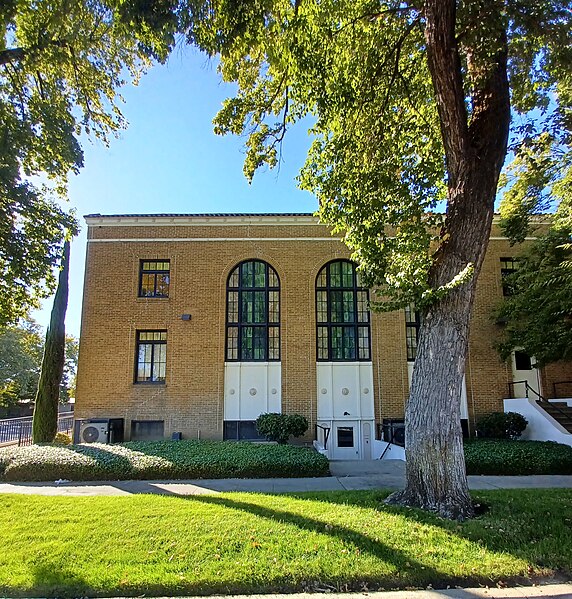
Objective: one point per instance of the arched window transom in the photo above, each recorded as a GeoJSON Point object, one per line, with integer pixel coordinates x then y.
{"type": "Point", "coordinates": [342, 314]}
{"type": "Point", "coordinates": [253, 313]}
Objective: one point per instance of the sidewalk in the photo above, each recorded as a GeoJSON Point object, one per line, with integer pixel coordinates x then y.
{"type": "Point", "coordinates": [557, 591]}
{"type": "Point", "coordinates": [347, 476]}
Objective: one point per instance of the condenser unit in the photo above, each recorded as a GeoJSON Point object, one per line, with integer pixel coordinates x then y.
{"type": "Point", "coordinates": [99, 430]}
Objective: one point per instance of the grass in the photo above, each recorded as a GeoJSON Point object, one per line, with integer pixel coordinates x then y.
{"type": "Point", "coordinates": [252, 543]}
{"type": "Point", "coordinates": [507, 457]}
{"type": "Point", "coordinates": [154, 460]}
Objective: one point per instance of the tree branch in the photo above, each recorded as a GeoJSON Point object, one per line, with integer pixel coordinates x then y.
{"type": "Point", "coordinates": [13, 55]}
{"type": "Point", "coordinates": [445, 68]}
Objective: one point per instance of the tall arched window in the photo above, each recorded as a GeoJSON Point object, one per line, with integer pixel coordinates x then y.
{"type": "Point", "coordinates": [342, 314]}
{"type": "Point", "coordinates": [253, 313]}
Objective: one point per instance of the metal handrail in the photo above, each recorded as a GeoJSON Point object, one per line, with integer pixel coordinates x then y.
{"type": "Point", "coordinates": [326, 430]}
{"type": "Point", "coordinates": [559, 383]}
{"type": "Point", "coordinates": [540, 399]}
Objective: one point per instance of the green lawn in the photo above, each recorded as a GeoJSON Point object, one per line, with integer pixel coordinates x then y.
{"type": "Point", "coordinates": [239, 542]}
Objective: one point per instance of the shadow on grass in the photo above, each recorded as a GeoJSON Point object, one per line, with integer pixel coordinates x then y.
{"type": "Point", "coordinates": [410, 570]}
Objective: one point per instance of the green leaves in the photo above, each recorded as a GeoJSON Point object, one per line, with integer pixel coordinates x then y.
{"type": "Point", "coordinates": [538, 313]}
{"type": "Point", "coordinates": [61, 64]}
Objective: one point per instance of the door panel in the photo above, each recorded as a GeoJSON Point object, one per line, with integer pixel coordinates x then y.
{"type": "Point", "coordinates": [345, 440]}
{"type": "Point", "coordinates": [523, 370]}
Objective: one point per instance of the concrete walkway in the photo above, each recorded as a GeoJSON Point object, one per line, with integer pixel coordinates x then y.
{"type": "Point", "coordinates": [556, 591]}
{"type": "Point", "coordinates": [346, 476]}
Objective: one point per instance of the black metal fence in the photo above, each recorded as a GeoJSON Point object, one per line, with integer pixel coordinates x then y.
{"type": "Point", "coordinates": [19, 430]}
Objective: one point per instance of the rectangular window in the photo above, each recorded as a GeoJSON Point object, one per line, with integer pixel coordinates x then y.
{"type": "Point", "coordinates": [412, 323]}
{"type": "Point", "coordinates": [508, 266]}
{"type": "Point", "coordinates": [154, 278]}
{"type": "Point", "coordinates": [345, 436]}
{"type": "Point", "coordinates": [151, 356]}
{"type": "Point", "coordinates": [147, 430]}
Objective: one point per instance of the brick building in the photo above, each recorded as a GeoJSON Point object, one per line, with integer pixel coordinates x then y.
{"type": "Point", "coordinates": [199, 323]}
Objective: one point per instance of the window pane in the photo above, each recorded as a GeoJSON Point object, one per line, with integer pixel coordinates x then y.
{"type": "Point", "coordinates": [272, 278]}
{"type": "Point", "coordinates": [362, 309]}
{"type": "Point", "coordinates": [162, 289]}
{"type": "Point", "coordinates": [159, 362]}
{"type": "Point", "coordinates": [259, 306]}
{"type": "Point", "coordinates": [522, 361]}
{"type": "Point", "coordinates": [322, 306]}
{"type": "Point", "coordinates": [232, 308]}
{"type": "Point", "coordinates": [273, 343]}
{"type": "Point", "coordinates": [233, 279]}
{"type": "Point", "coordinates": [246, 351]}
{"type": "Point", "coordinates": [411, 340]}
{"type": "Point", "coordinates": [337, 307]}
{"type": "Point", "coordinates": [232, 343]}
{"type": "Point", "coordinates": [409, 313]}
{"type": "Point", "coordinates": [247, 275]}
{"type": "Point", "coordinates": [147, 285]}
{"type": "Point", "coordinates": [363, 343]}
{"type": "Point", "coordinates": [321, 280]}
{"type": "Point", "coordinates": [335, 274]}
{"type": "Point", "coordinates": [247, 307]}
{"type": "Point", "coordinates": [273, 306]}
{"type": "Point", "coordinates": [345, 436]}
{"type": "Point", "coordinates": [337, 349]}
{"type": "Point", "coordinates": [259, 274]}
{"type": "Point", "coordinates": [259, 343]}
{"type": "Point", "coordinates": [322, 343]}
{"type": "Point", "coordinates": [348, 306]}
{"type": "Point", "coordinates": [347, 274]}
{"type": "Point", "coordinates": [349, 341]}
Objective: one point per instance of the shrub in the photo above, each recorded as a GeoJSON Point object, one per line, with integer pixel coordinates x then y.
{"type": "Point", "coordinates": [62, 439]}
{"type": "Point", "coordinates": [279, 427]}
{"type": "Point", "coordinates": [508, 457]}
{"type": "Point", "coordinates": [153, 460]}
{"type": "Point", "coordinates": [501, 425]}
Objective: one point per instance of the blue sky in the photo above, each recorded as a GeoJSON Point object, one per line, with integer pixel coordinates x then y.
{"type": "Point", "coordinates": [169, 160]}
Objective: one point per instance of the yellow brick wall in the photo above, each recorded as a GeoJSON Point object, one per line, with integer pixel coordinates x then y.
{"type": "Point", "coordinates": [191, 400]}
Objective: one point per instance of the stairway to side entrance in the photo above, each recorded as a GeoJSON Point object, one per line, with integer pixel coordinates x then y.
{"type": "Point", "coordinates": [560, 411]}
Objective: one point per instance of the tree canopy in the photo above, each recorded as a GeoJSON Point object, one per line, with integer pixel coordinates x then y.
{"type": "Point", "coordinates": [414, 106]}
{"type": "Point", "coordinates": [61, 65]}
{"type": "Point", "coordinates": [21, 350]}
{"type": "Point", "coordinates": [361, 70]}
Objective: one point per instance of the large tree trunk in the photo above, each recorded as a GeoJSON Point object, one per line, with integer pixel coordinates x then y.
{"type": "Point", "coordinates": [45, 421]}
{"type": "Point", "coordinates": [475, 152]}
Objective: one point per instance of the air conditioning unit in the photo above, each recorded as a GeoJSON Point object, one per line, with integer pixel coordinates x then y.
{"type": "Point", "coordinates": [99, 430]}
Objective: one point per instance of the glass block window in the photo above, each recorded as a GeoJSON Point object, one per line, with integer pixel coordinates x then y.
{"type": "Point", "coordinates": [342, 314]}
{"type": "Point", "coordinates": [151, 357]}
{"type": "Point", "coordinates": [154, 278]}
{"type": "Point", "coordinates": [412, 323]}
{"type": "Point", "coordinates": [253, 313]}
{"type": "Point", "coordinates": [508, 266]}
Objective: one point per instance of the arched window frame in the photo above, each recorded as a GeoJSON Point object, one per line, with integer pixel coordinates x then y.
{"type": "Point", "coordinates": [343, 331]}
{"type": "Point", "coordinates": [252, 313]}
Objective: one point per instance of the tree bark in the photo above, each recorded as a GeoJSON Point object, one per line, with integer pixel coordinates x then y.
{"type": "Point", "coordinates": [475, 149]}
{"type": "Point", "coordinates": [45, 420]}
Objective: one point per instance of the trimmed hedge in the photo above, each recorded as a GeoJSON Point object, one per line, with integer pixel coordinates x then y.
{"type": "Point", "coordinates": [506, 457]}
{"type": "Point", "coordinates": [159, 460]}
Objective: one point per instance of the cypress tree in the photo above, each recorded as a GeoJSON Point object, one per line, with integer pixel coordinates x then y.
{"type": "Point", "coordinates": [45, 421]}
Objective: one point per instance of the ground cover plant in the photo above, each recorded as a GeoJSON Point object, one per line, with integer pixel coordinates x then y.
{"type": "Point", "coordinates": [507, 457]}
{"type": "Point", "coordinates": [159, 460]}
{"type": "Point", "coordinates": [252, 543]}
